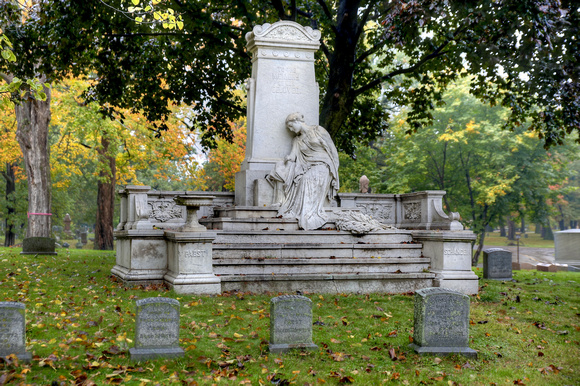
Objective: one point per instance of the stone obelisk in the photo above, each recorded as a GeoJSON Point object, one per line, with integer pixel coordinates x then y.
{"type": "Point", "coordinates": [283, 82]}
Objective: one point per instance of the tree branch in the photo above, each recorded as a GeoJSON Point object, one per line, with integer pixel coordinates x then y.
{"type": "Point", "coordinates": [328, 14]}
{"type": "Point", "coordinates": [438, 52]}
{"type": "Point", "coordinates": [7, 78]}
{"type": "Point", "coordinates": [279, 7]}
{"type": "Point", "coordinates": [363, 20]}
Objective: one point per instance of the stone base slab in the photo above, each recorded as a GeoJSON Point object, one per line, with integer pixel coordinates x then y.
{"type": "Point", "coordinates": [141, 354]}
{"type": "Point", "coordinates": [139, 276]}
{"type": "Point", "coordinates": [25, 357]}
{"type": "Point", "coordinates": [283, 348]}
{"type": "Point", "coordinates": [317, 283]}
{"type": "Point", "coordinates": [465, 351]}
{"type": "Point", "coordinates": [198, 284]}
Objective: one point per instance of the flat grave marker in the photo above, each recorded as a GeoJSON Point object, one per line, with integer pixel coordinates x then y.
{"type": "Point", "coordinates": [156, 330]}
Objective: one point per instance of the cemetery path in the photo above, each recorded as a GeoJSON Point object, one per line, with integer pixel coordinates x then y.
{"type": "Point", "coordinates": [528, 254]}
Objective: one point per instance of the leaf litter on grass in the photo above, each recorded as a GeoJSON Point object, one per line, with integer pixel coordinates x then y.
{"type": "Point", "coordinates": [80, 326]}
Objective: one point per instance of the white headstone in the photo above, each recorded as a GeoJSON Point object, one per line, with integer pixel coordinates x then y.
{"type": "Point", "coordinates": [283, 81]}
{"type": "Point", "coordinates": [567, 244]}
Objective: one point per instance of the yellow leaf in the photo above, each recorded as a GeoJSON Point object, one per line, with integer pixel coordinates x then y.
{"type": "Point", "coordinates": [135, 2]}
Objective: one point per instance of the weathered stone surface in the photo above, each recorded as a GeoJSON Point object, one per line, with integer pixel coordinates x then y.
{"type": "Point", "coordinates": [283, 81]}
{"type": "Point", "coordinates": [497, 264]}
{"type": "Point", "coordinates": [157, 329]}
{"type": "Point", "coordinates": [290, 323]}
{"type": "Point", "coordinates": [13, 330]}
{"type": "Point", "coordinates": [441, 322]}
{"type": "Point", "coordinates": [567, 245]}
{"type": "Point", "coordinates": [189, 263]}
{"type": "Point", "coordinates": [38, 246]}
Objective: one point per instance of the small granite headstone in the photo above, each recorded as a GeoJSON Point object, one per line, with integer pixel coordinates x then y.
{"type": "Point", "coordinates": [441, 322]}
{"type": "Point", "coordinates": [38, 246]}
{"type": "Point", "coordinates": [84, 238]}
{"type": "Point", "coordinates": [290, 323]}
{"type": "Point", "coordinates": [13, 330]}
{"type": "Point", "coordinates": [497, 264]}
{"type": "Point", "coordinates": [157, 329]}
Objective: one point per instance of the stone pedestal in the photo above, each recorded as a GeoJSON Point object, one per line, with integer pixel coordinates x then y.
{"type": "Point", "coordinates": [189, 263]}
{"type": "Point", "coordinates": [141, 256]}
{"type": "Point", "coordinates": [283, 82]}
{"type": "Point", "coordinates": [450, 254]}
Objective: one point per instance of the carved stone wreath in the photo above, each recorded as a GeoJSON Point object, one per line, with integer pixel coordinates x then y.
{"type": "Point", "coordinates": [165, 210]}
{"type": "Point", "coordinates": [412, 211]}
{"type": "Point", "coordinates": [381, 212]}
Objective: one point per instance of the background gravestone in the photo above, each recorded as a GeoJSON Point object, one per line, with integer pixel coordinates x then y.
{"type": "Point", "coordinates": [497, 264]}
{"type": "Point", "coordinates": [38, 246]}
{"type": "Point", "coordinates": [290, 323]}
{"type": "Point", "coordinates": [13, 330]}
{"type": "Point", "coordinates": [84, 237]}
{"type": "Point", "coordinates": [157, 329]}
{"type": "Point", "coordinates": [441, 322]}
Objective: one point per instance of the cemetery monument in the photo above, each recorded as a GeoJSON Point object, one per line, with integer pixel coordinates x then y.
{"type": "Point", "coordinates": [286, 228]}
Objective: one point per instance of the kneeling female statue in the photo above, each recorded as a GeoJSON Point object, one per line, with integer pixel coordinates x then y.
{"type": "Point", "coordinates": [308, 177]}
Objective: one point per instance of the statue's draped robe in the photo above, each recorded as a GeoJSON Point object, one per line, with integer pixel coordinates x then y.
{"type": "Point", "coordinates": [310, 177]}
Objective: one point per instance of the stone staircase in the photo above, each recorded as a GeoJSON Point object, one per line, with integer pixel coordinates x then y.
{"type": "Point", "coordinates": [256, 251]}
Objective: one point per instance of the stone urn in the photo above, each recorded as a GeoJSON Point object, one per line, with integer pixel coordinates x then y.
{"type": "Point", "coordinates": [193, 203]}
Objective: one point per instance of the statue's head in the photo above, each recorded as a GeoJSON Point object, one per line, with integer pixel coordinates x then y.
{"type": "Point", "coordinates": [294, 117]}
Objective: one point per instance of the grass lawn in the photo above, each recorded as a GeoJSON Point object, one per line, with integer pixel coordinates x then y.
{"type": "Point", "coordinates": [533, 240]}
{"type": "Point", "coordinates": [80, 325]}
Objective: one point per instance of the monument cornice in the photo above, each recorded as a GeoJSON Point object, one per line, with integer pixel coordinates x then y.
{"type": "Point", "coordinates": [283, 35]}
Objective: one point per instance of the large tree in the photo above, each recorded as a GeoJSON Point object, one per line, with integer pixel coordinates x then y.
{"type": "Point", "coordinates": [524, 54]}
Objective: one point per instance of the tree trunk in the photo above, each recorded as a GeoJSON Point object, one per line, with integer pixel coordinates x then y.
{"type": "Point", "coordinates": [523, 225]}
{"type": "Point", "coordinates": [105, 197]}
{"type": "Point", "coordinates": [502, 232]}
{"type": "Point", "coordinates": [9, 235]}
{"type": "Point", "coordinates": [480, 241]}
{"type": "Point", "coordinates": [33, 117]}
{"type": "Point", "coordinates": [511, 230]}
{"type": "Point", "coordinates": [538, 230]}
{"type": "Point", "coordinates": [339, 98]}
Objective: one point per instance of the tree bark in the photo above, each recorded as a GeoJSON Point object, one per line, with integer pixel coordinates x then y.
{"type": "Point", "coordinates": [105, 197]}
{"type": "Point", "coordinates": [33, 117]}
{"type": "Point", "coordinates": [10, 177]}
{"type": "Point", "coordinates": [339, 98]}
{"type": "Point", "coordinates": [511, 230]}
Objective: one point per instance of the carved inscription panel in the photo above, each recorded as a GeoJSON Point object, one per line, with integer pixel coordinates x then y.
{"type": "Point", "coordinates": [286, 80]}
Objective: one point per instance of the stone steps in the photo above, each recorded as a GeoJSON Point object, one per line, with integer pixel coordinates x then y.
{"type": "Point", "coordinates": [315, 251]}
{"type": "Point", "coordinates": [329, 283]}
{"type": "Point", "coordinates": [319, 266]}
{"type": "Point", "coordinates": [311, 238]}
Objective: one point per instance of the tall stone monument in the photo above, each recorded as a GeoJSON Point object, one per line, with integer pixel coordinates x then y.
{"type": "Point", "coordinates": [283, 82]}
